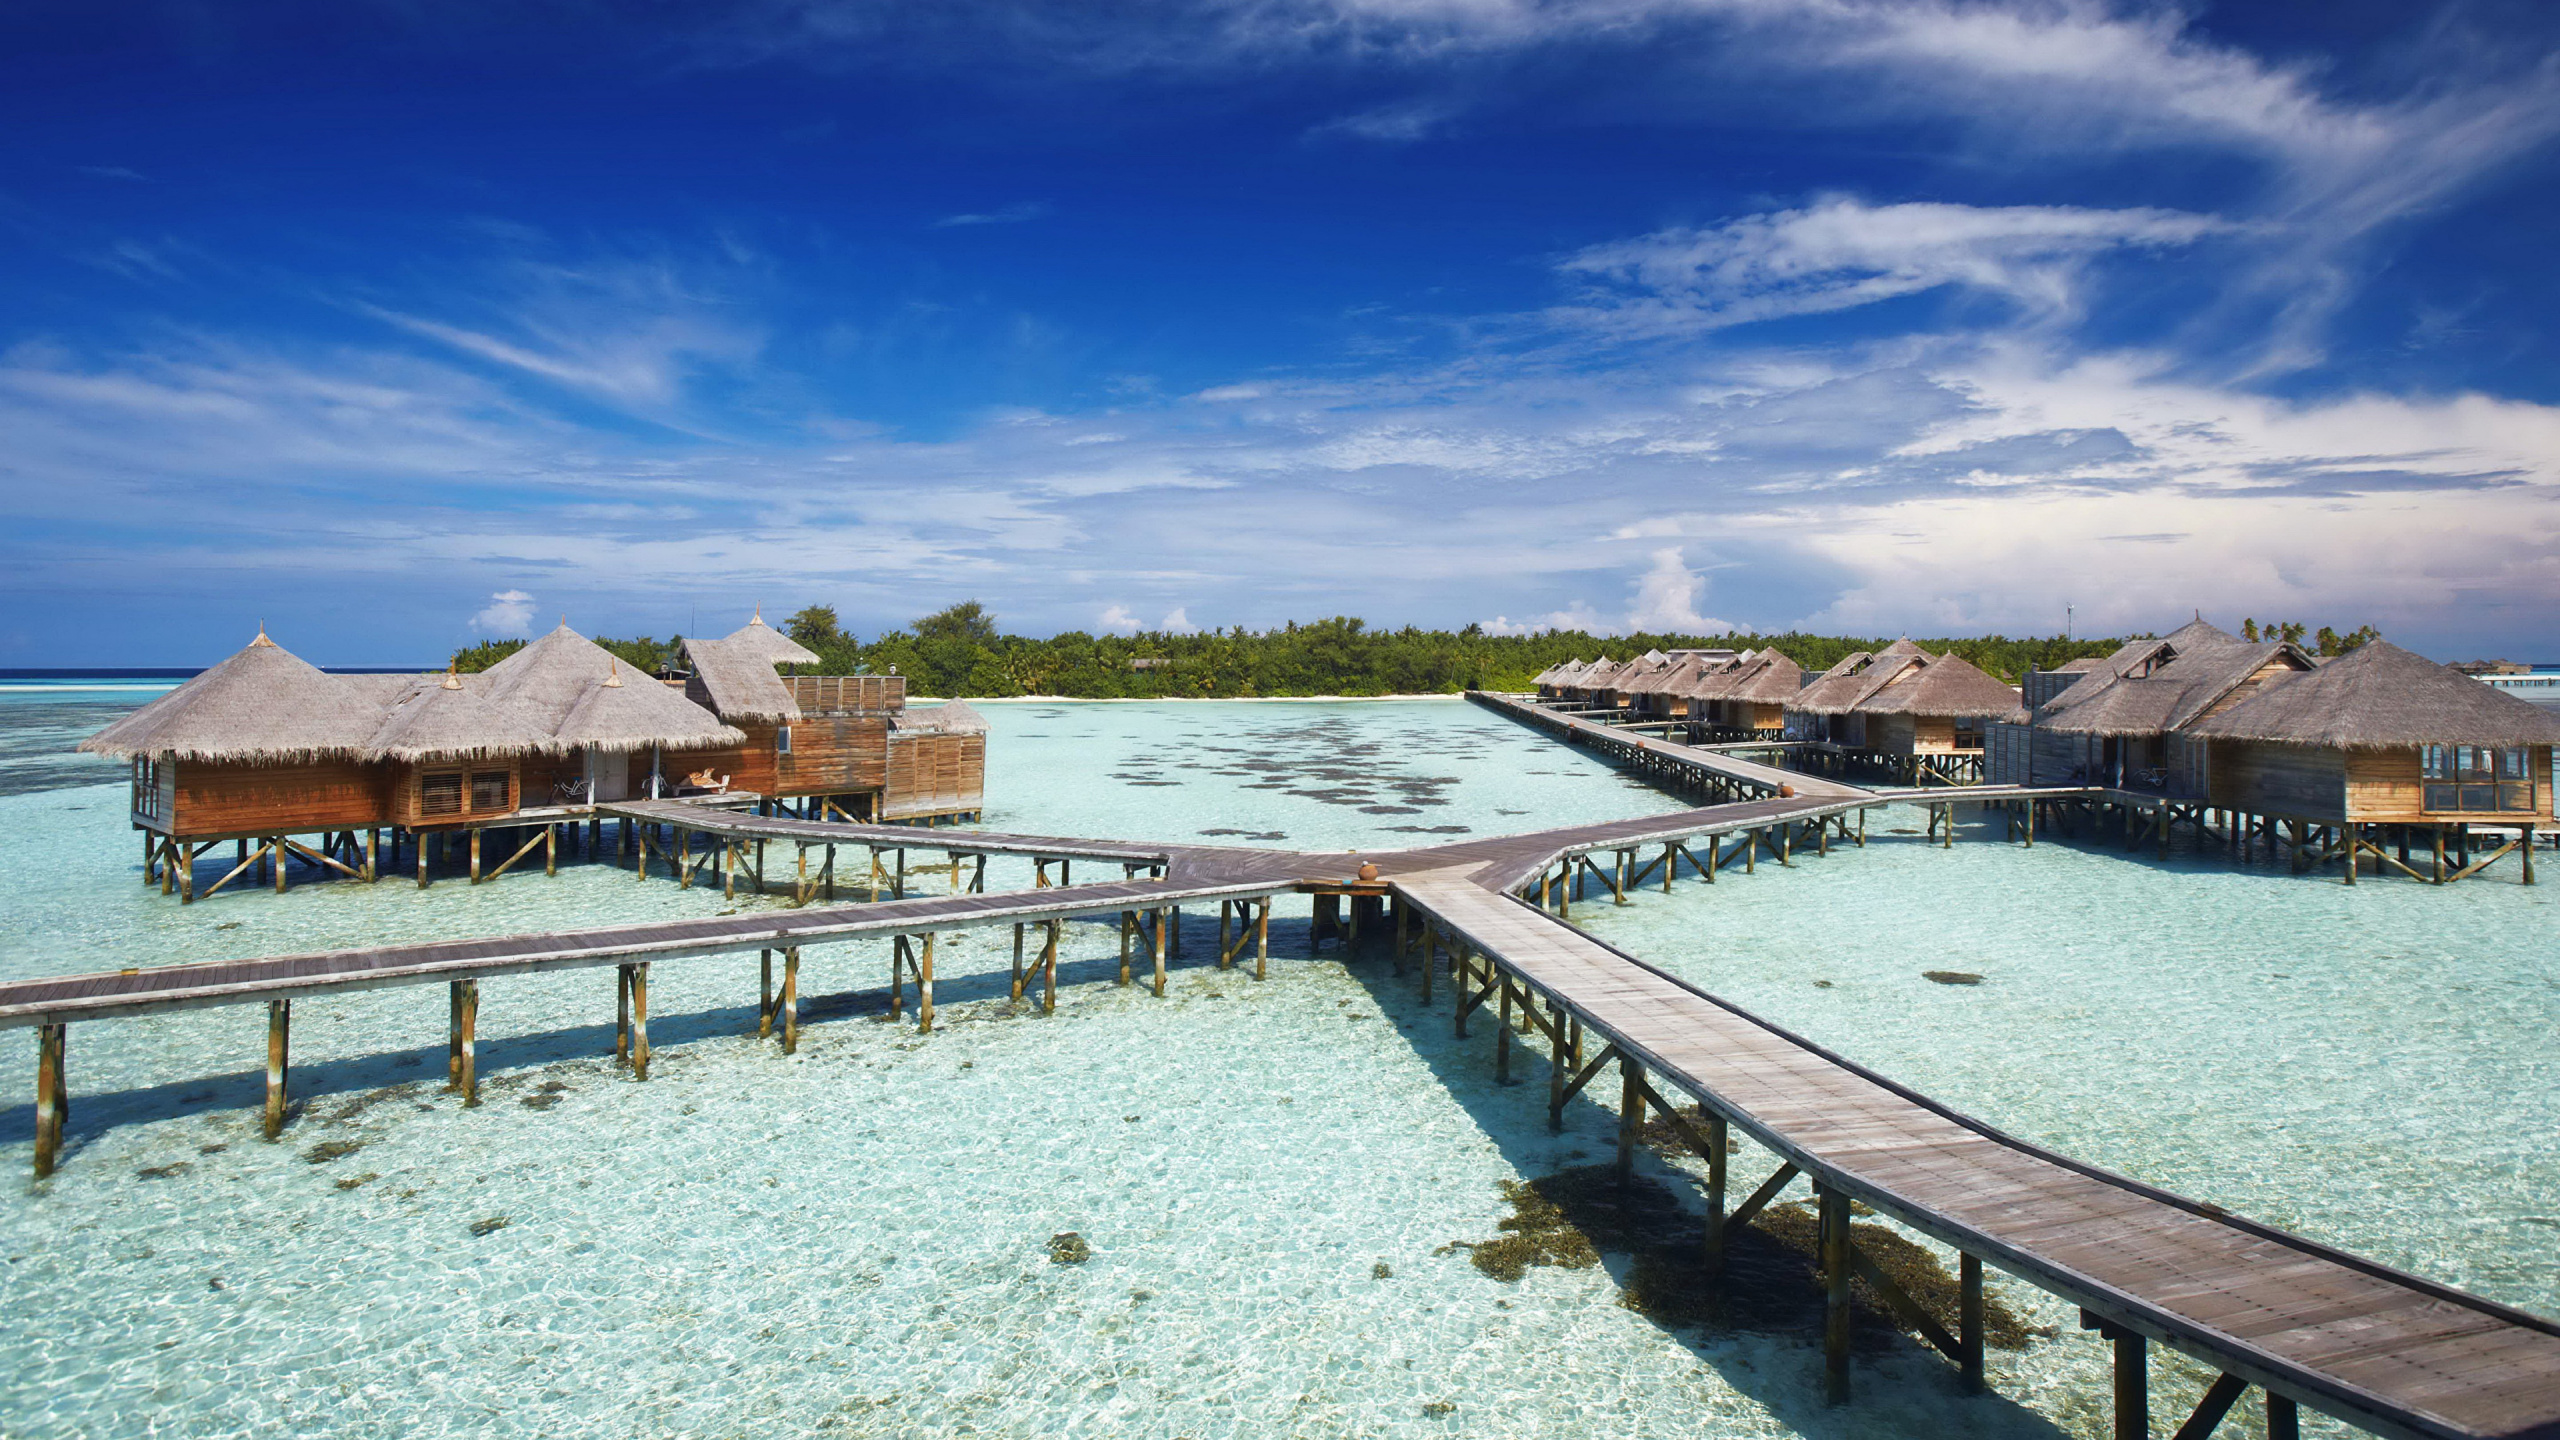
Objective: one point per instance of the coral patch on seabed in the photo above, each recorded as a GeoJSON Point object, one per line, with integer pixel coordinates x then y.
{"type": "Point", "coordinates": [1770, 1281]}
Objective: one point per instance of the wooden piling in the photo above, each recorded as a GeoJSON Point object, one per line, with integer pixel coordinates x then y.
{"type": "Point", "coordinates": [2284, 1419]}
{"type": "Point", "coordinates": [1163, 923]}
{"type": "Point", "coordinates": [1502, 1031]}
{"type": "Point", "coordinates": [1049, 967]}
{"type": "Point", "coordinates": [1833, 1222]}
{"type": "Point", "coordinates": [791, 1000]}
{"type": "Point", "coordinates": [1262, 938]}
{"type": "Point", "coordinates": [1717, 1145]}
{"type": "Point", "coordinates": [279, 1035]}
{"type": "Point", "coordinates": [466, 1009]}
{"type": "Point", "coordinates": [53, 1096]}
{"type": "Point", "coordinates": [764, 994]}
{"type": "Point", "coordinates": [1969, 1322]}
{"type": "Point", "coordinates": [924, 989]}
{"type": "Point", "coordinates": [639, 1019]}
{"type": "Point", "coordinates": [1630, 1116]}
{"type": "Point", "coordinates": [2133, 1384]}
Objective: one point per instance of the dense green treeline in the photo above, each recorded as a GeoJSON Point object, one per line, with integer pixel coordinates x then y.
{"type": "Point", "coordinates": [959, 651]}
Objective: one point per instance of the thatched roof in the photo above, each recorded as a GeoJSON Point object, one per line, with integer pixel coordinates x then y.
{"type": "Point", "coordinates": [2168, 698]}
{"type": "Point", "coordinates": [775, 648]}
{"type": "Point", "coordinates": [442, 719]}
{"type": "Point", "coordinates": [1770, 678]}
{"type": "Point", "coordinates": [738, 678]}
{"type": "Point", "coordinates": [1834, 690]}
{"type": "Point", "coordinates": [950, 717]}
{"type": "Point", "coordinates": [2198, 633]}
{"type": "Point", "coordinates": [1599, 676]}
{"type": "Point", "coordinates": [2381, 697]}
{"type": "Point", "coordinates": [546, 679]}
{"type": "Point", "coordinates": [626, 712]}
{"type": "Point", "coordinates": [1661, 679]}
{"type": "Point", "coordinates": [261, 706]}
{"type": "Point", "coordinates": [1941, 685]}
{"type": "Point", "coordinates": [265, 707]}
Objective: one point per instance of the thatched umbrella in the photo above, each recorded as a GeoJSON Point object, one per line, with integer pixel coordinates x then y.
{"type": "Point", "coordinates": [2381, 697]}
{"type": "Point", "coordinates": [262, 706]}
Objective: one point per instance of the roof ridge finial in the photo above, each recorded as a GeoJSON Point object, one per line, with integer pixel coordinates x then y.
{"type": "Point", "coordinates": [759, 614]}
{"type": "Point", "coordinates": [262, 636]}
{"type": "Point", "coordinates": [452, 677]}
{"type": "Point", "coordinates": [613, 675]}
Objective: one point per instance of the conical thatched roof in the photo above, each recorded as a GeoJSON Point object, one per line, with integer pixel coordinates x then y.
{"type": "Point", "coordinates": [547, 678]}
{"type": "Point", "coordinates": [737, 677]}
{"type": "Point", "coordinates": [2198, 633]}
{"type": "Point", "coordinates": [261, 706]}
{"type": "Point", "coordinates": [950, 717]}
{"type": "Point", "coordinates": [1944, 685]}
{"type": "Point", "coordinates": [441, 719]}
{"type": "Point", "coordinates": [633, 712]}
{"type": "Point", "coordinates": [768, 644]}
{"type": "Point", "coordinates": [2381, 697]}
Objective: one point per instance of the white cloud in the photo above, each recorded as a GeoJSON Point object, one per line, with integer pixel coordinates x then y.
{"type": "Point", "coordinates": [1117, 618]}
{"type": "Point", "coordinates": [1841, 253]}
{"type": "Point", "coordinates": [508, 616]}
{"type": "Point", "coordinates": [1178, 622]}
{"type": "Point", "coordinates": [1018, 213]}
{"type": "Point", "coordinates": [1400, 123]}
{"type": "Point", "coordinates": [1666, 598]}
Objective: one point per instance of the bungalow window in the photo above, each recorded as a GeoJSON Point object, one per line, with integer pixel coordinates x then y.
{"type": "Point", "coordinates": [782, 741]}
{"type": "Point", "coordinates": [489, 790]}
{"type": "Point", "coordinates": [146, 788]}
{"type": "Point", "coordinates": [440, 794]}
{"type": "Point", "coordinates": [2476, 778]}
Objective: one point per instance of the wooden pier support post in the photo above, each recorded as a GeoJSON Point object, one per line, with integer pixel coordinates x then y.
{"type": "Point", "coordinates": [1630, 1115]}
{"type": "Point", "coordinates": [1430, 956]}
{"type": "Point", "coordinates": [639, 981]}
{"type": "Point", "coordinates": [1969, 1323]}
{"type": "Point", "coordinates": [2528, 854]}
{"type": "Point", "coordinates": [1717, 1146]}
{"type": "Point", "coordinates": [53, 1095]}
{"type": "Point", "coordinates": [764, 994]}
{"type": "Point", "coordinates": [1164, 923]}
{"type": "Point", "coordinates": [475, 858]}
{"type": "Point", "coordinates": [1017, 960]}
{"type": "Point", "coordinates": [279, 1039]}
{"type": "Point", "coordinates": [1502, 1031]}
{"type": "Point", "coordinates": [1262, 938]}
{"type": "Point", "coordinates": [1049, 967]}
{"type": "Point", "coordinates": [550, 851]}
{"type": "Point", "coordinates": [1557, 1062]}
{"type": "Point", "coordinates": [924, 988]}
{"type": "Point", "coordinates": [372, 852]}
{"type": "Point", "coordinates": [1128, 928]}
{"type": "Point", "coordinates": [466, 1041]}
{"type": "Point", "coordinates": [2133, 1386]}
{"type": "Point", "coordinates": [2284, 1419]}
{"type": "Point", "coordinates": [791, 1000]}
{"type": "Point", "coordinates": [1833, 1211]}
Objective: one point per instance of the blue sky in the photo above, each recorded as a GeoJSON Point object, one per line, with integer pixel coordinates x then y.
{"type": "Point", "coordinates": [400, 325]}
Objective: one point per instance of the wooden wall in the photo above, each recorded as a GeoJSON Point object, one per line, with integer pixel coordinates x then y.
{"type": "Point", "coordinates": [935, 773]}
{"type": "Point", "coordinates": [835, 754]}
{"type": "Point", "coordinates": [216, 799]}
{"type": "Point", "coordinates": [2299, 782]}
{"type": "Point", "coordinates": [2385, 785]}
{"type": "Point", "coordinates": [407, 802]}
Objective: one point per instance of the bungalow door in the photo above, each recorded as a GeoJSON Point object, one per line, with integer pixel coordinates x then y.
{"type": "Point", "coordinates": [608, 777]}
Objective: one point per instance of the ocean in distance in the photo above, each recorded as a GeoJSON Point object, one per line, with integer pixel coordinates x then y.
{"type": "Point", "coordinates": [1270, 1178]}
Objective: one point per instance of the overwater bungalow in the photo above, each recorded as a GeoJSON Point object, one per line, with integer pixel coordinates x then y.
{"type": "Point", "coordinates": [2122, 721]}
{"type": "Point", "coordinates": [292, 763]}
{"type": "Point", "coordinates": [1550, 682]}
{"type": "Point", "coordinates": [1662, 692]}
{"type": "Point", "coordinates": [1748, 700]}
{"type": "Point", "coordinates": [2378, 747]}
{"type": "Point", "coordinates": [1917, 716]}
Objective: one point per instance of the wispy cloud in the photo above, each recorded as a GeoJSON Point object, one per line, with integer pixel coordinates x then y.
{"type": "Point", "coordinates": [1841, 253]}
{"type": "Point", "coordinates": [1019, 213]}
{"type": "Point", "coordinates": [507, 616]}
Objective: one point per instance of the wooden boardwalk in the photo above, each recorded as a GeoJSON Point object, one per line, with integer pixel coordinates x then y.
{"type": "Point", "coordinates": [2389, 1352]}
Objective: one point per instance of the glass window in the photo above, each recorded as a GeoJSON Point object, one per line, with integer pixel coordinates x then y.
{"type": "Point", "coordinates": [489, 790]}
{"type": "Point", "coordinates": [440, 794]}
{"type": "Point", "coordinates": [2476, 778]}
{"type": "Point", "coordinates": [782, 741]}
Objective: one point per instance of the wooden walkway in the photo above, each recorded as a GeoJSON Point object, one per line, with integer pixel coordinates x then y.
{"type": "Point", "coordinates": [2389, 1352]}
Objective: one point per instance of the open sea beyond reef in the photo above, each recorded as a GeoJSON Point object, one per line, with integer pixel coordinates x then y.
{"type": "Point", "coordinates": [856, 1240]}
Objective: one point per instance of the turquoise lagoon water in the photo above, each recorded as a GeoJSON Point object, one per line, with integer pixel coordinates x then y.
{"type": "Point", "coordinates": [854, 1240]}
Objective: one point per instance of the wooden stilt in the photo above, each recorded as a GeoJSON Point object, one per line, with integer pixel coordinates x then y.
{"type": "Point", "coordinates": [467, 1010]}
{"type": "Point", "coordinates": [2284, 1420]}
{"type": "Point", "coordinates": [791, 1000]}
{"type": "Point", "coordinates": [475, 855]}
{"type": "Point", "coordinates": [1969, 1322]}
{"type": "Point", "coordinates": [1558, 1062]}
{"type": "Point", "coordinates": [621, 1014]}
{"type": "Point", "coordinates": [1502, 1032]}
{"type": "Point", "coordinates": [1049, 968]}
{"type": "Point", "coordinates": [639, 1020]}
{"type": "Point", "coordinates": [924, 989]}
{"type": "Point", "coordinates": [550, 850]}
{"type": "Point", "coordinates": [1262, 938]}
{"type": "Point", "coordinates": [764, 994]}
{"type": "Point", "coordinates": [1833, 1219]}
{"type": "Point", "coordinates": [279, 1036]}
{"type": "Point", "coordinates": [1128, 930]}
{"type": "Point", "coordinates": [1017, 960]}
{"type": "Point", "coordinates": [1164, 920]}
{"type": "Point", "coordinates": [2133, 1385]}
{"type": "Point", "coordinates": [372, 846]}
{"type": "Point", "coordinates": [53, 1104]}
{"type": "Point", "coordinates": [1718, 1144]}
{"type": "Point", "coordinates": [1630, 1115]}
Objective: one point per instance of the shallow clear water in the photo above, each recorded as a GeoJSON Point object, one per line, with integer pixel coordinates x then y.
{"type": "Point", "coordinates": [854, 1240]}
